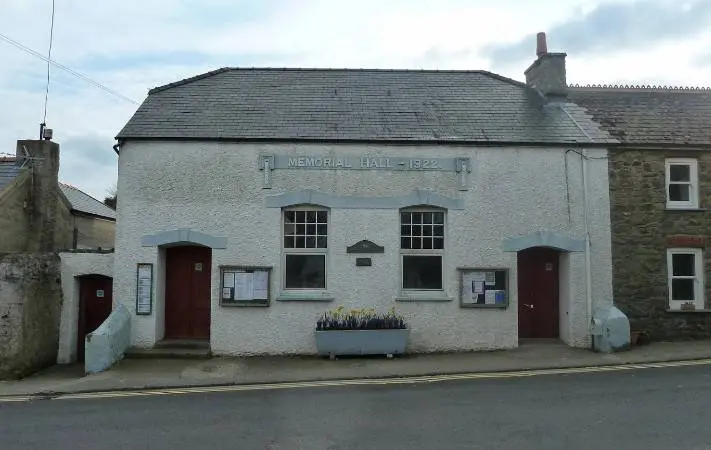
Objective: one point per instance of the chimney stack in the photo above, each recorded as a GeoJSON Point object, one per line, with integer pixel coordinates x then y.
{"type": "Point", "coordinates": [541, 45]}
{"type": "Point", "coordinates": [547, 73]}
{"type": "Point", "coordinates": [44, 162]}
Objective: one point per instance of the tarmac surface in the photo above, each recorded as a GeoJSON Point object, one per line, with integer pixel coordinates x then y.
{"type": "Point", "coordinates": [656, 408]}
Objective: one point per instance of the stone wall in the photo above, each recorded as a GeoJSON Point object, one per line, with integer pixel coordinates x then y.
{"type": "Point", "coordinates": [45, 194]}
{"type": "Point", "coordinates": [641, 228]}
{"type": "Point", "coordinates": [64, 226]}
{"type": "Point", "coordinates": [14, 214]}
{"type": "Point", "coordinates": [93, 232]}
{"type": "Point", "coordinates": [30, 304]}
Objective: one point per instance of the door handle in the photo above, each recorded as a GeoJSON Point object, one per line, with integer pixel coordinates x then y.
{"type": "Point", "coordinates": [527, 306]}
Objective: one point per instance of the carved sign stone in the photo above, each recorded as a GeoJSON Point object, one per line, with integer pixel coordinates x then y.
{"type": "Point", "coordinates": [365, 246]}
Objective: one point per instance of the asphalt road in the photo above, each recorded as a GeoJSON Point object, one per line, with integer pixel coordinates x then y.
{"type": "Point", "coordinates": [646, 409]}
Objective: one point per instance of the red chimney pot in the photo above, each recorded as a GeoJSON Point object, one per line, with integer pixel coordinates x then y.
{"type": "Point", "coordinates": [541, 46]}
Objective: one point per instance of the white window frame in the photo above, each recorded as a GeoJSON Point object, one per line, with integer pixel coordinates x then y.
{"type": "Point", "coordinates": [698, 277]}
{"type": "Point", "coordinates": [693, 182]}
{"type": "Point", "coordinates": [421, 252]}
{"type": "Point", "coordinates": [304, 251]}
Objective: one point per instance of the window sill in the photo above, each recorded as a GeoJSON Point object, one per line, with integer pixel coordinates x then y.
{"type": "Point", "coordinates": [685, 208]}
{"type": "Point", "coordinates": [688, 310]}
{"type": "Point", "coordinates": [305, 296]}
{"type": "Point", "coordinates": [485, 306]}
{"type": "Point", "coordinates": [246, 303]}
{"type": "Point", "coordinates": [423, 296]}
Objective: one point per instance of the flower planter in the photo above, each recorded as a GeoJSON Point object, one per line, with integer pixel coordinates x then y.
{"type": "Point", "coordinates": [362, 342]}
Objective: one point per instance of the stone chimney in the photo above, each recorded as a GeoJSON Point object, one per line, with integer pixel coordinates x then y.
{"type": "Point", "coordinates": [547, 73]}
{"type": "Point", "coordinates": [43, 160]}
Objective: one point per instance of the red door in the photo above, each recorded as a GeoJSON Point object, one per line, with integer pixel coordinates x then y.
{"type": "Point", "coordinates": [538, 293]}
{"type": "Point", "coordinates": [95, 300]}
{"type": "Point", "coordinates": [187, 292]}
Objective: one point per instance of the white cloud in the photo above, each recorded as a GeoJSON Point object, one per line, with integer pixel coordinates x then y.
{"type": "Point", "coordinates": [133, 45]}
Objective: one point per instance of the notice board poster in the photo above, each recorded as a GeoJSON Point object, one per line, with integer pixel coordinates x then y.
{"type": "Point", "coordinates": [144, 289]}
{"type": "Point", "coordinates": [484, 287]}
{"type": "Point", "coordinates": [245, 285]}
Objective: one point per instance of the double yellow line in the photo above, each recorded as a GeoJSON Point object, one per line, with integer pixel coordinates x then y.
{"type": "Point", "coordinates": [356, 382]}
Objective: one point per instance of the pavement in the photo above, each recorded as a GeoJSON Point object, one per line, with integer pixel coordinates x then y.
{"type": "Point", "coordinates": [656, 408]}
{"type": "Point", "coordinates": [137, 374]}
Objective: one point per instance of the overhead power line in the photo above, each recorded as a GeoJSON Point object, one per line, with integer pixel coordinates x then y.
{"type": "Point", "coordinates": [65, 68]}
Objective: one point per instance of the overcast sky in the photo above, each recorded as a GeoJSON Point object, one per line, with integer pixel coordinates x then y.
{"type": "Point", "coordinates": [131, 46]}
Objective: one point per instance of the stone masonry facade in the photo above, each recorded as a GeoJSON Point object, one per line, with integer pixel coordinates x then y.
{"type": "Point", "coordinates": [642, 230]}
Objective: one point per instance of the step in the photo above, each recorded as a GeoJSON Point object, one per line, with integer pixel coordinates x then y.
{"type": "Point", "coordinates": [200, 344]}
{"type": "Point", "coordinates": [172, 350]}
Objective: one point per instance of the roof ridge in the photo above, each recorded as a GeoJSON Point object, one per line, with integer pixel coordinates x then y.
{"type": "Point", "coordinates": [641, 87]}
{"type": "Point", "coordinates": [496, 76]}
{"type": "Point", "coordinates": [188, 80]}
{"type": "Point", "coordinates": [331, 69]}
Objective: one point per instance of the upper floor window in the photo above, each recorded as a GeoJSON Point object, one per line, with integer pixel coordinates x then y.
{"type": "Point", "coordinates": [422, 248]}
{"type": "Point", "coordinates": [682, 183]}
{"type": "Point", "coordinates": [305, 246]}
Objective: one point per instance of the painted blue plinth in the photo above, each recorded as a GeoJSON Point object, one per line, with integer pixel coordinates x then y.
{"type": "Point", "coordinates": [362, 342]}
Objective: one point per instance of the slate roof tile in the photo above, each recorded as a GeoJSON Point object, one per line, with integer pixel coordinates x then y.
{"type": "Point", "coordinates": [9, 169]}
{"type": "Point", "coordinates": [663, 116]}
{"type": "Point", "coordinates": [351, 104]}
{"type": "Point", "coordinates": [83, 202]}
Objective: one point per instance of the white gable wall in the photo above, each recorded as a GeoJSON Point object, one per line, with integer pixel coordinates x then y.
{"type": "Point", "coordinates": [216, 188]}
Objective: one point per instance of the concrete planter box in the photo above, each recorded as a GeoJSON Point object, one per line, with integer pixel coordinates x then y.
{"type": "Point", "coordinates": [362, 342]}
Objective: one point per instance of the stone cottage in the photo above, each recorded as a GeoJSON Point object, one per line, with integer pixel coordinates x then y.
{"type": "Point", "coordinates": [660, 195]}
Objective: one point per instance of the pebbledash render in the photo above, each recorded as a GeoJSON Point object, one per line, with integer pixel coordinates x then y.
{"type": "Point", "coordinates": [251, 201]}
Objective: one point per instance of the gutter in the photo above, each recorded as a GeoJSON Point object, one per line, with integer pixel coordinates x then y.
{"type": "Point", "coordinates": [383, 142]}
{"type": "Point", "coordinates": [588, 270]}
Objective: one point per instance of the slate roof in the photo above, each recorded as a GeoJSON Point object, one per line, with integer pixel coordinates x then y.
{"type": "Point", "coordinates": [352, 104]}
{"type": "Point", "coordinates": [9, 169]}
{"type": "Point", "coordinates": [649, 115]}
{"type": "Point", "coordinates": [85, 203]}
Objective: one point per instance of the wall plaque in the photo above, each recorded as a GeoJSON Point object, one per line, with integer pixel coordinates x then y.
{"type": "Point", "coordinates": [365, 246]}
{"type": "Point", "coordinates": [364, 262]}
{"type": "Point", "coordinates": [270, 162]}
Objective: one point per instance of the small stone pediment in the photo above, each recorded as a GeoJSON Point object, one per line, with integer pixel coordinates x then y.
{"type": "Point", "coordinates": [365, 246]}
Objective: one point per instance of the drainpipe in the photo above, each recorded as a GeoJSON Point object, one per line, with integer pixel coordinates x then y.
{"type": "Point", "coordinates": [588, 271]}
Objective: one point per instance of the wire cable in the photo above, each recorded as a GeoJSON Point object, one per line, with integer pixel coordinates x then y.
{"type": "Point", "coordinates": [34, 53]}
{"type": "Point", "coordinates": [49, 58]}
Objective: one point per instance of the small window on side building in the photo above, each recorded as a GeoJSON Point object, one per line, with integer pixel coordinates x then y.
{"type": "Point", "coordinates": [682, 183]}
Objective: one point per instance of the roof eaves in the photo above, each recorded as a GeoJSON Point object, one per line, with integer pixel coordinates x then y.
{"type": "Point", "coordinates": [92, 215]}
{"type": "Point", "coordinates": [394, 142]}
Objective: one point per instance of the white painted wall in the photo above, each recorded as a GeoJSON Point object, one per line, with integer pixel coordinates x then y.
{"type": "Point", "coordinates": [215, 188]}
{"type": "Point", "coordinates": [75, 264]}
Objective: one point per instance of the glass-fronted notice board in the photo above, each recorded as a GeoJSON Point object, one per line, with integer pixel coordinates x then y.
{"type": "Point", "coordinates": [483, 287]}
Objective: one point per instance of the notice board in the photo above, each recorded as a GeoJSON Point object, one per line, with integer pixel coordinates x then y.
{"type": "Point", "coordinates": [244, 285]}
{"type": "Point", "coordinates": [483, 287]}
